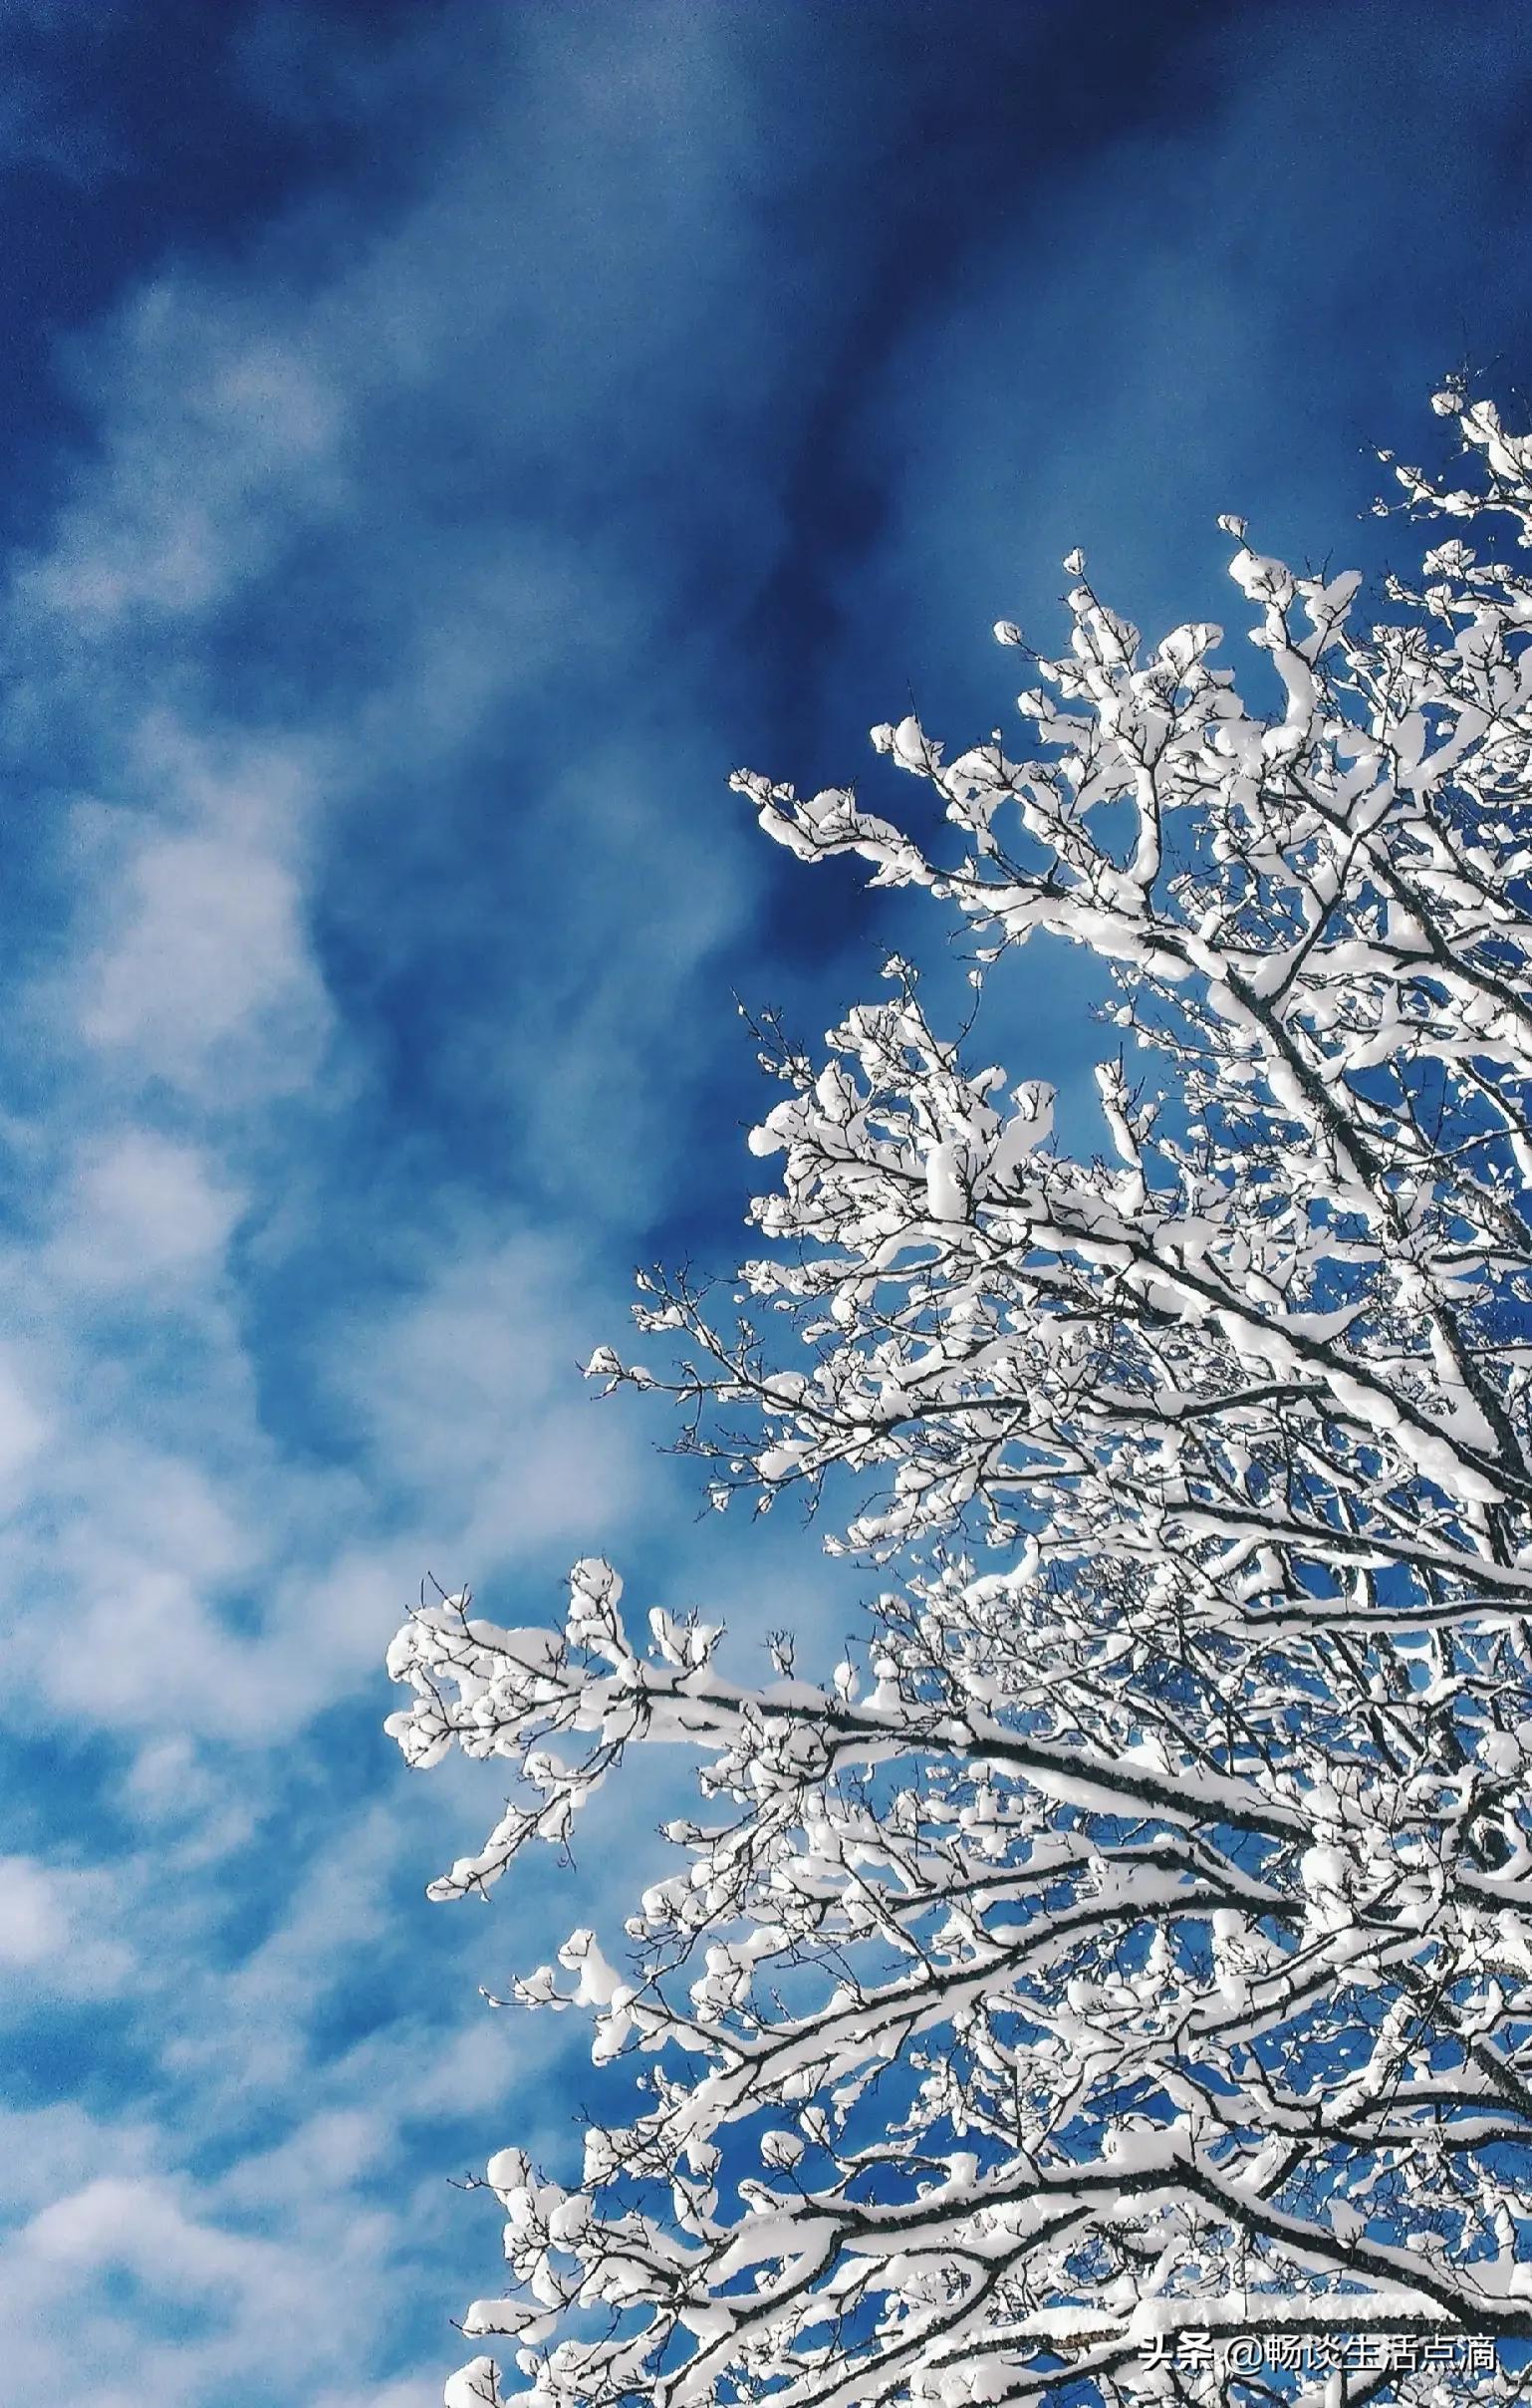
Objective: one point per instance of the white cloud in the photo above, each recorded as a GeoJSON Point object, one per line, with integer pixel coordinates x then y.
{"type": "Point", "coordinates": [133, 1545]}
{"type": "Point", "coordinates": [25, 1421]}
{"type": "Point", "coordinates": [414, 2392]}
{"type": "Point", "coordinates": [47, 2152]}
{"type": "Point", "coordinates": [219, 436]}
{"type": "Point", "coordinates": [325, 2153]}
{"type": "Point", "coordinates": [141, 1207]}
{"type": "Point", "coordinates": [204, 970]}
{"type": "Point", "coordinates": [55, 1931]}
{"type": "Point", "coordinates": [138, 2223]}
{"type": "Point", "coordinates": [470, 1392]}
{"type": "Point", "coordinates": [290, 2309]}
{"type": "Point", "coordinates": [35, 1922]}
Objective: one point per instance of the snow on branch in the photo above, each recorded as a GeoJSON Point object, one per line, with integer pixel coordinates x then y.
{"type": "Point", "coordinates": [1135, 1937]}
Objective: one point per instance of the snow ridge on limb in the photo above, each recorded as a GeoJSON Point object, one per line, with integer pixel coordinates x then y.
{"type": "Point", "coordinates": [1136, 1937]}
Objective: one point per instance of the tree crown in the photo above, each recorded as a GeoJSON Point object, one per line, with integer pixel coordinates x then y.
{"type": "Point", "coordinates": [1135, 1939]}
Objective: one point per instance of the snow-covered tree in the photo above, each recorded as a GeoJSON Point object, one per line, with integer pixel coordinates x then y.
{"type": "Point", "coordinates": [1123, 1968]}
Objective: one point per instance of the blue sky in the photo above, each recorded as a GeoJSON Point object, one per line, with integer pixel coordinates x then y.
{"type": "Point", "coordinates": [440, 444]}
